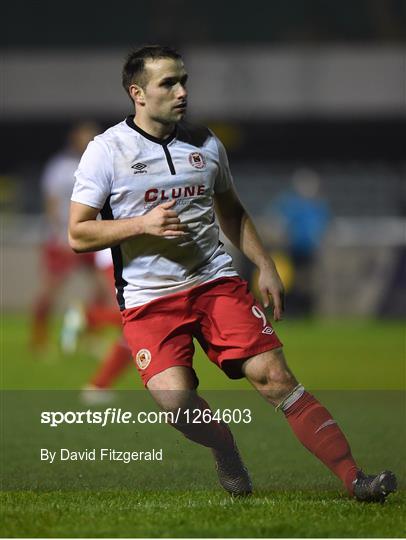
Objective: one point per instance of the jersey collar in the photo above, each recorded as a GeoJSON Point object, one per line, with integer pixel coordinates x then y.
{"type": "Point", "coordinates": [130, 123]}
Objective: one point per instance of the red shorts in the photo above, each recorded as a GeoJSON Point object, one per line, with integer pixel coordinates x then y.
{"type": "Point", "coordinates": [222, 315]}
{"type": "Point", "coordinates": [61, 260]}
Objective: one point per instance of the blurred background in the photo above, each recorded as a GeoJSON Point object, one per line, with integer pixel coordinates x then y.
{"type": "Point", "coordinates": [307, 96]}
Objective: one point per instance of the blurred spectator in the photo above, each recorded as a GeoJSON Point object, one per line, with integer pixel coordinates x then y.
{"type": "Point", "coordinates": [303, 217]}
{"type": "Point", "coordinates": [393, 303]}
{"type": "Point", "coordinates": [58, 260]}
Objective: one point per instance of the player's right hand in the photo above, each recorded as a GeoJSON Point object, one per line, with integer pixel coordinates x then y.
{"type": "Point", "coordinates": [162, 221]}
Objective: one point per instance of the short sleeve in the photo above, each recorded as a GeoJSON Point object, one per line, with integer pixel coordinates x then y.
{"type": "Point", "coordinates": [94, 176]}
{"type": "Point", "coordinates": [224, 179]}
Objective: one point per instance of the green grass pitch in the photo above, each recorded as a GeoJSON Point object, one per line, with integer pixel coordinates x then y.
{"type": "Point", "coordinates": [356, 367]}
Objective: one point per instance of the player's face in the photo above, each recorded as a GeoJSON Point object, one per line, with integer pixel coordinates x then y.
{"type": "Point", "coordinates": [165, 94]}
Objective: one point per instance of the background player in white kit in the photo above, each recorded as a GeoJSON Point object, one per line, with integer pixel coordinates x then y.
{"type": "Point", "coordinates": [118, 357]}
{"type": "Point", "coordinates": [57, 258]}
{"type": "Point", "coordinates": [158, 183]}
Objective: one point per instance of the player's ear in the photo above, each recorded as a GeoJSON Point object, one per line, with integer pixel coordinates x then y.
{"type": "Point", "coordinates": [137, 94]}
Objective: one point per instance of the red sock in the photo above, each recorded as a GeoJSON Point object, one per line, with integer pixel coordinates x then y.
{"type": "Point", "coordinates": [118, 358]}
{"type": "Point", "coordinates": [214, 434]}
{"type": "Point", "coordinates": [39, 332]}
{"type": "Point", "coordinates": [314, 426]}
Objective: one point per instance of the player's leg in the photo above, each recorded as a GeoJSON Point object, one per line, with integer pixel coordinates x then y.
{"type": "Point", "coordinates": [116, 361]}
{"type": "Point", "coordinates": [174, 390]}
{"type": "Point", "coordinates": [160, 335]}
{"type": "Point", "coordinates": [50, 288]}
{"type": "Point", "coordinates": [118, 357]}
{"type": "Point", "coordinates": [98, 390]}
{"type": "Point", "coordinates": [313, 425]}
{"type": "Point", "coordinates": [242, 342]}
{"type": "Point", "coordinates": [100, 311]}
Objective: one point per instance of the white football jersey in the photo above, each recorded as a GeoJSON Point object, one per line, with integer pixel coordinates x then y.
{"type": "Point", "coordinates": [125, 172]}
{"type": "Point", "coordinates": [57, 182]}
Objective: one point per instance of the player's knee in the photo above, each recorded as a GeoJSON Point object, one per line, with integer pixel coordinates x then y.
{"type": "Point", "coordinates": [172, 401]}
{"type": "Point", "coordinates": [279, 383]}
{"type": "Point", "coordinates": [279, 376]}
{"type": "Point", "coordinates": [271, 375]}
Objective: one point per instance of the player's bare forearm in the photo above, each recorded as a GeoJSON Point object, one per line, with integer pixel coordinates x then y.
{"type": "Point", "coordinates": [86, 233]}
{"type": "Point", "coordinates": [251, 244]}
{"type": "Point", "coordinates": [92, 235]}
{"type": "Point", "coordinates": [240, 230]}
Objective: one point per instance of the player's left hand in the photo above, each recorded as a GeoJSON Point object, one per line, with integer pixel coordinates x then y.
{"type": "Point", "coordinates": [270, 284]}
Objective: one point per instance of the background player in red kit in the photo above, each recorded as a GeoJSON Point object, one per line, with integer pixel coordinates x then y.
{"type": "Point", "coordinates": [158, 183]}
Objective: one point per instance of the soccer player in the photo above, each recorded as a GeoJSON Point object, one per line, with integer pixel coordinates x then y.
{"type": "Point", "coordinates": [159, 183]}
{"type": "Point", "coordinates": [118, 357]}
{"type": "Point", "coordinates": [78, 320]}
{"type": "Point", "coordinates": [96, 316]}
{"type": "Point", "coordinates": [304, 217]}
{"type": "Point", "coordinates": [58, 260]}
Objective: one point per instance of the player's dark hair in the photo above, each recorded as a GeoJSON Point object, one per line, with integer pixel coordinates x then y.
{"type": "Point", "coordinates": [134, 66]}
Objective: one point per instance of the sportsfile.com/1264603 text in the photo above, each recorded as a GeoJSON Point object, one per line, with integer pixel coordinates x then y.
{"type": "Point", "coordinates": [112, 415]}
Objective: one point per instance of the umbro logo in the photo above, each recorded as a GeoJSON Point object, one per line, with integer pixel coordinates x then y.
{"type": "Point", "coordinates": [268, 330]}
{"type": "Point", "coordinates": [139, 168]}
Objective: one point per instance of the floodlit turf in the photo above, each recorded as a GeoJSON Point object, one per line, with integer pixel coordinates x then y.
{"type": "Point", "coordinates": [357, 368]}
{"type": "Point", "coordinates": [197, 514]}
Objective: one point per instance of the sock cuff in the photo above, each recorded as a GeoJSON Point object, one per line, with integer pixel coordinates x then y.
{"type": "Point", "coordinates": [291, 398]}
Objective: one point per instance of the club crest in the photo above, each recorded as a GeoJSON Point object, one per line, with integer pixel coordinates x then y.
{"type": "Point", "coordinates": [197, 160]}
{"type": "Point", "coordinates": [143, 358]}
